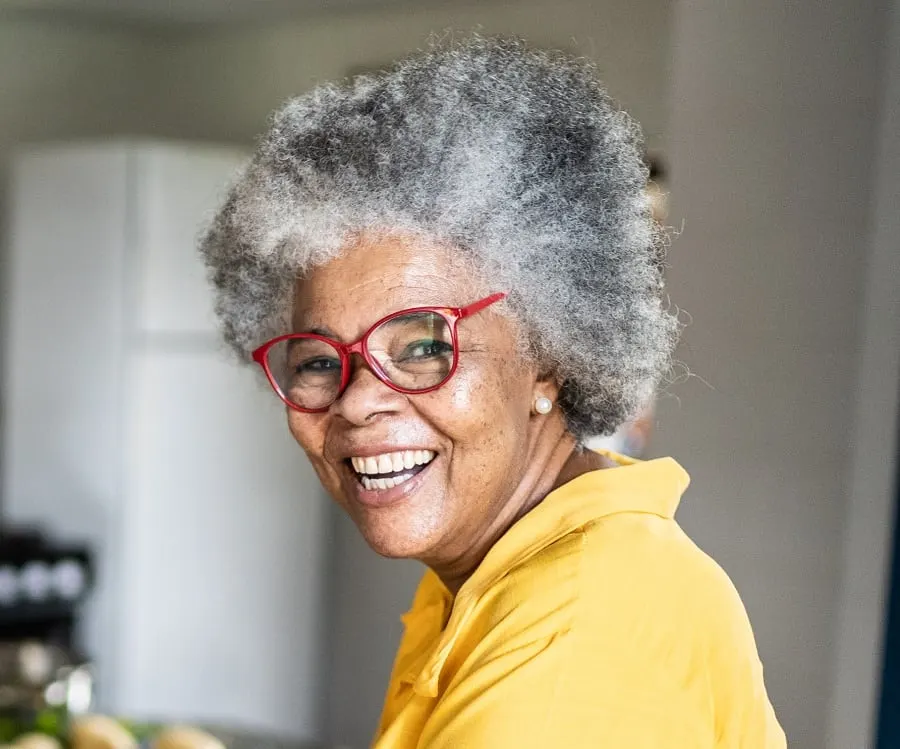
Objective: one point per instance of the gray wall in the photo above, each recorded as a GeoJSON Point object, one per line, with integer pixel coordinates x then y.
{"type": "Point", "coordinates": [772, 127]}
{"type": "Point", "coordinates": [223, 84]}
{"type": "Point", "coordinates": [60, 80]}
{"type": "Point", "coordinates": [870, 511]}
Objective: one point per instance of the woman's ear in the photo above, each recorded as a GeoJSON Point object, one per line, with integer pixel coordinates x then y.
{"type": "Point", "coordinates": [546, 392]}
{"type": "Point", "coordinates": [547, 384]}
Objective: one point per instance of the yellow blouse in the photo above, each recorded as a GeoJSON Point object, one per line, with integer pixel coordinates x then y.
{"type": "Point", "coordinates": [593, 622]}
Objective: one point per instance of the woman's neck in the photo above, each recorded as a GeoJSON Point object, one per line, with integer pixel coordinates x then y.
{"type": "Point", "coordinates": [556, 460]}
{"type": "Point", "coordinates": [581, 461]}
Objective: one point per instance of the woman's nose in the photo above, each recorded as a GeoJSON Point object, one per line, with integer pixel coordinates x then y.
{"type": "Point", "coordinates": [365, 396]}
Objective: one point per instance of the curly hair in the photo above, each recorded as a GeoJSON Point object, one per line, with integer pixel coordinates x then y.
{"type": "Point", "coordinates": [516, 157]}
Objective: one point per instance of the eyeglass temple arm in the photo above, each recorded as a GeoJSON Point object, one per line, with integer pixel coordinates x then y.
{"type": "Point", "coordinates": [475, 308]}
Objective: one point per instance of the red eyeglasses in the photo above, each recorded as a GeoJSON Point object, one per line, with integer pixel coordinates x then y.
{"type": "Point", "coordinates": [411, 351]}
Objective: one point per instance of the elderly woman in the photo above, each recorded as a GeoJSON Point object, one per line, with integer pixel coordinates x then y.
{"type": "Point", "coordinates": [450, 276]}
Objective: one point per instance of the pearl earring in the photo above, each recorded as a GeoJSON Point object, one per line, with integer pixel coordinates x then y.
{"type": "Point", "coordinates": [543, 405]}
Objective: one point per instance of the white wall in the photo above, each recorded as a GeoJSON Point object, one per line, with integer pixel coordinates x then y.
{"type": "Point", "coordinates": [772, 126]}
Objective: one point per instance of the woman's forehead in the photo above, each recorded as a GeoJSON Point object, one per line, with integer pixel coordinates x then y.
{"type": "Point", "coordinates": [375, 276]}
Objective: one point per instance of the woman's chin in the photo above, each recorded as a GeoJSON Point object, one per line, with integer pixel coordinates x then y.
{"type": "Point", "coordinates": [394, 536]}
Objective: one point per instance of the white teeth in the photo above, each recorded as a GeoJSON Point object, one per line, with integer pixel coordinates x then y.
{"type": "Point", "coordinates": [388, 482]}
{"type": "Point", "coordinates": [391, 462]}
{"type": "Point", "coordinates": [397, 462]}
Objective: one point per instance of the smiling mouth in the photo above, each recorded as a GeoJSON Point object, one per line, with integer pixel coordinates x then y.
{"type": "Point", "coordinates": [379, 472]}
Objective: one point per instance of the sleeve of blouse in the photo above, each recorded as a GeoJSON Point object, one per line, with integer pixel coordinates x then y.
{"type": "Point", "coordinates": [658, 656]}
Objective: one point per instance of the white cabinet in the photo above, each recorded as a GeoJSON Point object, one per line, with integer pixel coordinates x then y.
{"type": "Point", "coordinates": [179, 190]}
{"type": "Point", "coordinates": [126, 423]}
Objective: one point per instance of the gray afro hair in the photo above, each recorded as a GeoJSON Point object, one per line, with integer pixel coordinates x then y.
{"type": "Point", "coordinates": [516, 157]}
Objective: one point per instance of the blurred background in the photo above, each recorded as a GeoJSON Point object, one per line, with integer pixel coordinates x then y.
{"type": "Point", "coordinates": [160, 523]}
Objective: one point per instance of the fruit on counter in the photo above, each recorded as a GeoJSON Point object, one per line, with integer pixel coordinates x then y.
{"type": "Point", "coordinates": [99, 732]}
{"type": "Point", "coordinates": [50, 731]}
{"type": "Point", "coordinates": [36, 741]}
{"type": "Point", "coordinates": [141, 730]}
{"type": "Point", "coordinates": [184, 737]}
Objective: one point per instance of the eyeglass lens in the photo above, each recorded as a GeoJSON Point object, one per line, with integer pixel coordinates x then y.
{"type": "Point", "coordinates": [414, 351]}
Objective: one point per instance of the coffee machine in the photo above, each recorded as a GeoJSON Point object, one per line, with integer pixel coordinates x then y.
{"type": "Point", "coordinates": [42, 667]}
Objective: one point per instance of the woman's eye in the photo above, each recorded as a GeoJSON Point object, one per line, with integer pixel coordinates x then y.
{"type": "Point", "coordinates": [426, 349]}
{"type": "Point", "coordinates": [322, 365]}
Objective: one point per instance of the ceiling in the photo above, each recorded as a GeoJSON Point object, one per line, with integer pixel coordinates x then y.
{"type": "Point", "coordinates": [183, 11]}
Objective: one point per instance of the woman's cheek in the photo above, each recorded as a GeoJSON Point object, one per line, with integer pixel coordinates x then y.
{"type": "Point", "coordinates": [461, 397]}
{"type": "Point", "coordinates": [307, 430]}
{"type": "Point", "coordinates": [476, 396]}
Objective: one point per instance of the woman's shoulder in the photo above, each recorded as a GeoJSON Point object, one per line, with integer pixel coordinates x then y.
{"type": "Point", "coordinates": [647, 564]}
{"type": "Point", "coordinates": [623, 616]}
{"type": "Point", "coordinates": [629, 585]}
{"type": "Point", "coordinates": [655, 604]}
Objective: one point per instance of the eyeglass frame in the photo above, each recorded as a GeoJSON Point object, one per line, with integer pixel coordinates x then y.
{"type": "Point", "coordinates": [451, 315]}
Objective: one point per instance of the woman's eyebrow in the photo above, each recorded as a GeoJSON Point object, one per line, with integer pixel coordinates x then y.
{"type": "Point", "coordinates": [406, 317]}
{"type": "Point", "coordinates": [317, 331]}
